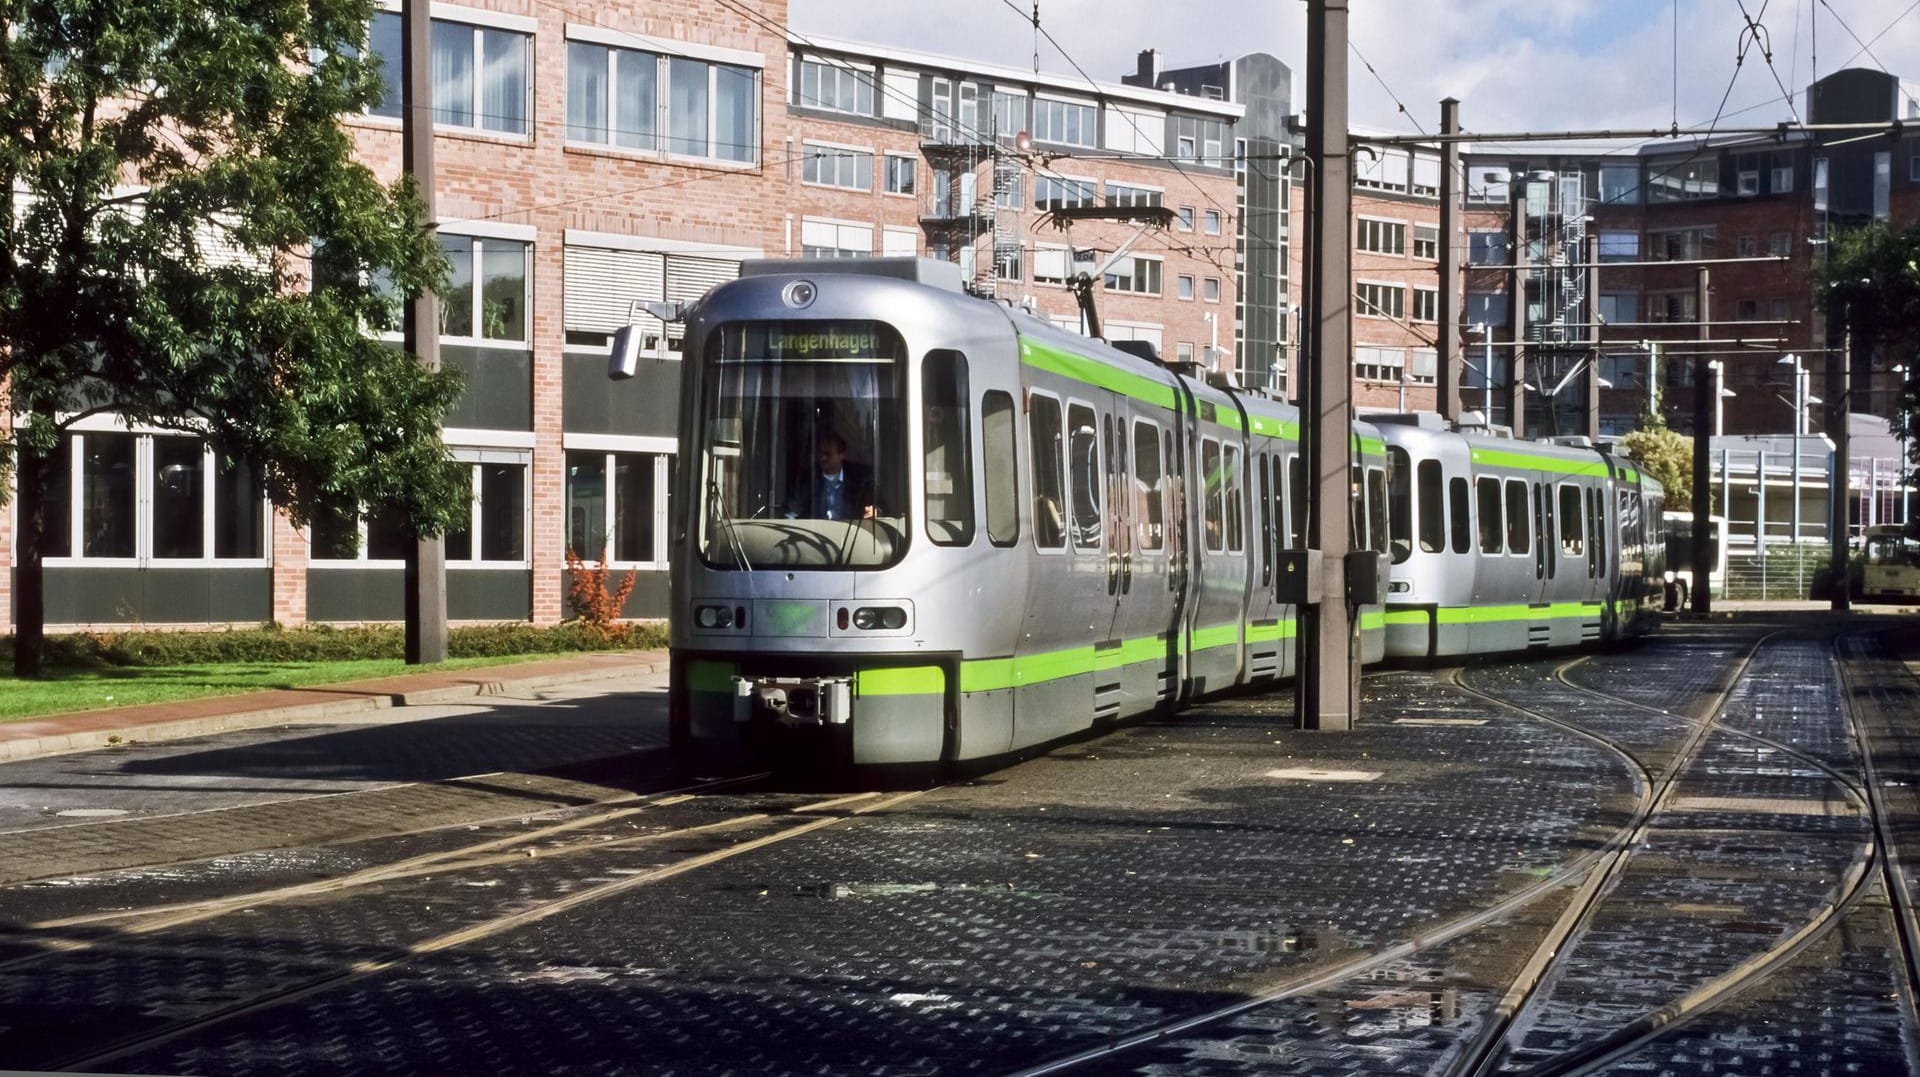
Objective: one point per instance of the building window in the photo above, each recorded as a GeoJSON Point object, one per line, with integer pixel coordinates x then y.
{"type": "Point", "coordinates": [1619, 308]}
{"type": "Point", "coordinates": [498, 518]}
{"type": "Point", "coordinates": [1780, 244]}
{"type": "Point", "coordinates": [1620, 185]}
{"type": "Point", "coordinates": [151, 498]}
{"type": "Point", "coordinates": [1746, 310]}
{"type": "Point", "coordinates": [1487, 183]}
{"type": "Point", "coordinates": [1381, 237]}
{"type": "Point", "coordinates": [1426, 366]}
{"type": "Point", "coordinates": [1672, 307]}
{"type": "Point", "coordinates": [1210, 222]}
{"type": "Point", "coordinates": [613, 96]}
{"type": "Point", "coordinates": [486, 294]}
{"type": "Point", "coordinates": [1780, 310]}
{"type": "Point", "coordinates": [1183, 351]}
{"type": "Point", "coordinates": [1681, 244]}
{"type": "Point", "coordinates": [900, 174]}
{"type": "Point", "coordinates": [1747, 182]}
{"type": "Point", "coordinates": [1486, 308]}
{"type": "Point", "coordinates": [1009, 113]}
{"type": "Point", "coordinates": [1426, 242]}
{"type": "Point", "coordinates": [1746, 246]}
{"type": "Point", "coordinates": [617, 506]}
{"type": "Point", "coordinates": [1683, 180]}
{"type": "Point", "coordinates": [838, 166]}
{"type": "Point", "coordinates": [1200, 140]}
{"type": "Point", "coordinates": [1067, 123]}
{"type": "Point", "coordinates": [1050, 265]}
{"type": "Point", "coordinates": [479, 74]}
{"type": "Point", "coordinates": [712, 110]}
{"type": "Point", "coordinates": [1057, 192]}
{"type": "Point", "coordinates": [1010, 191]}
{"type": "Point", "coordinates": [1618, 246]}
{"type": "Point", "coordinates": [1184, 286]}
{"type": "Point", "coordinates": [835, 239]}
{"type": "Point", "coordinates": [1210, 289]}
{"type": "Point", "coordinates": [1378, 364]}
{"type": "Point", "coordinates": [1119, 194]}
{"type": "Point", "coordinates": [1380, 300]}
{"type": "Point", "coordinates": [358, 536]}
{"type": "Point", "coordinates": [1489, 248]}
{"type": "Point", "coordinates": [1782, 179]}
{"type": "Point", "coordinates": [835, 87]}
{"type": "Point", "coordinates": [1426, 305]}
{"type": "Point", "coordinates": [1141, 276]}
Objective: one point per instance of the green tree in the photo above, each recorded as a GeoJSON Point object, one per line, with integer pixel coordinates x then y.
{"type": "Point", "coordinates": [186, 241]}
{"type": "Point", "coordinates": [1667, 457]}
{"type": "Point", "coordinates": [1870, 283]}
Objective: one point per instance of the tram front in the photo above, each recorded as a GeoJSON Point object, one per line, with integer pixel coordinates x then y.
{"type": "Point", "coordinates": [803, 538]}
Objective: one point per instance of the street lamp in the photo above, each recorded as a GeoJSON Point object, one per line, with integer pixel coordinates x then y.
{"type": "Point", "coordinates": [1800, 401]}
{"type": "Point", "coordinates": [1905, 518]}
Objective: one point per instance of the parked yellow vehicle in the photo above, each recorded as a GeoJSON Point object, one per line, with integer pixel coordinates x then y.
{"type": "Point", "coordinates": [1892, 571]}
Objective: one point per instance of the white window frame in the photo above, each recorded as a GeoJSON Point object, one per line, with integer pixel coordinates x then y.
{"type": "Point", "coordinates": [663, 449]}
{"type": "Point", "coordinates": [850, 69]}
{"type": "Point", "coordinates": [913, 172]}
{"type": "Point", "coordinates": [1134, 274]}
{"type": "Point", "coordinates": [1044, 253]}
{"type": "Point", "coordinates": [1381, 229]}
{"type": "Point", "coordinates": [1369, 307]}
{"type": "Point", "coordinates": [843, 155]}
{"type": "Point", "coordinates": [143, 556]}
{"type": "Point", "coordinates": [841, 229]}
{"type": "Point", "coordinates": [1090, 129]}
{"type": "Point", "coordinates": [1432, 298]}
{"type": "Point", "coordinates": [483, 19]}
{"type": "Point", "coordinates": [480, 232]}
{"type": "Point", "coordinates": [475, 458]}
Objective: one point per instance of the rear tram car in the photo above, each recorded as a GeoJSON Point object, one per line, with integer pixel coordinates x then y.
{"type": "Point", "coordinates": [924, 527]}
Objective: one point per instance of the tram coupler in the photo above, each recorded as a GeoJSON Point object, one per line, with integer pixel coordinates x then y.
{"type": "Point", "coordinates": [793, 701]}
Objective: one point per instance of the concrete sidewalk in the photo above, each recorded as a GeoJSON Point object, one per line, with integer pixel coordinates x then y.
{"type": "Point", "coordinates": [81, 730]}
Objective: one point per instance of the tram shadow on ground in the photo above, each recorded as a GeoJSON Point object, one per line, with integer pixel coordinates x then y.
{"type": "Point", "coordinates": [614, 740]}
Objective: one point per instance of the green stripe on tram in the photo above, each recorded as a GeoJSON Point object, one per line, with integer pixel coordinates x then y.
{"type": "Point", "coordinates": [1470, 615]}
{"type": "Point", "coordinates": [1284, 429]}
{"type": "Point", "coordinates": [1096, 373]}
{"type": "Point", "coordinates": [902, 681]}
{"type": "Point", "coordinates": [1509, 458]}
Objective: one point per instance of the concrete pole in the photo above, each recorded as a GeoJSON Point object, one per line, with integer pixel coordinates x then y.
{"type": "Point", "coordinates": [1517, 365]}
{"type": "Point", "coordinates": [1839, 477]}
{"type": "Point", "coordinates": [1327, 689]}
{"type": "Point", "coordinates": [1726, 488]}
{"type": "Point", "coordinates": [426, 562]}
{"type": "Point", "coordinates": [1702, 460]}
{"type": "Point", "coordinates": [1799, 428]}
{"type": "Point", "coordinates": [1448, 374]}
{"type": "Point", "coordinates": [1760, 505]}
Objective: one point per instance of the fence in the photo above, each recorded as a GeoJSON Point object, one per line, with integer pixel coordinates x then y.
{"type": "Point", "coordinates": [1787, 571]}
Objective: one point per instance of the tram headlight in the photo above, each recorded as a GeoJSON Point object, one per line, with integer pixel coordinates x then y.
{"type": "Point", "coordinates": [713, 616]}
{"type": "Point", "coordinates": [885, 618]}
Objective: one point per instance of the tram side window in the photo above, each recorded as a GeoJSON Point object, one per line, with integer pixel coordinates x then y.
{"type": "Point", "coordinates": [1376, 507]}
{"type": "Point", "coordinates": [1297, 500]}
{"type": "Point", "coordinates": [1572, 542]}
{"type": "Point", "coordinates": [947, 456]}
{"type": "Point", "coordinates": [1490, 529]}
{"type": "Point", "coordinates": [1083, 457]}
{"type": "Point", "coordinates": [1266, 519]}
{"type": "Point", "coordinates": [1236, 503]}
{"type": "Point", "coordinates": [1400, 498]}
{"type": "Point", "coordinates": [1517, 536]}
{"type": "Point", "coordinates": [1433, 522]}
{"type": "Point", "coordinates": [1457, 504]}
{"type": "Point", "coordinates": [1210, 474]}
{"type": "Point", "coordinates": [1597, 532]}
{"type": "Point", "coordinates": [997, 454]}
{"type": "Point", "coordinates": [1043, 426]}
{"type": "Point", "coordinates": [1148, 491]}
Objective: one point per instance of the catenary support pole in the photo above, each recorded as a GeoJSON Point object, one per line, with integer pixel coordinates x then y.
{"type": "Point", "coordinates": [1591, 252]}
{"type": "Point", "coordinates": [1327, 689]}
{"type": "Point", "coordinates": [426, 561]}
{"type": "Point", "coordinates": [1448, 369]}
{"type": "Point", "coordinates": [1840, 478]}
{"type": "Point", "coordinates": [1703, 388]}
{"type": "Point", "coordinates": [1522, 265]}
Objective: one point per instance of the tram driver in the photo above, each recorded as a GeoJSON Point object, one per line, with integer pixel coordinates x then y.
{"type": "Point", "coordinates": [839, 488]}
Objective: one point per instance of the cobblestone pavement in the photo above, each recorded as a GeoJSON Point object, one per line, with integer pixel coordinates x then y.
{"type": "Point", "coordinates": [1167, 870]}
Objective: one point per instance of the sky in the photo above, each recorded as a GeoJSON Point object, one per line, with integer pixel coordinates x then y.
{"type": "Point", "coordinates": [1515, 65]}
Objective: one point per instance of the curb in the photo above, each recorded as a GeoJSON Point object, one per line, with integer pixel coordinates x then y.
{"type": "Point", "coordinates": [24, 748]}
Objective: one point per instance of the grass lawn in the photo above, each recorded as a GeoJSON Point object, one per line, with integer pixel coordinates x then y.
{"type": "Point", "coordinates": [121, 686]}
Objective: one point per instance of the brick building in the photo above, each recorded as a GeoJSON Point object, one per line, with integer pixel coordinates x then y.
{"type": "Point", "coordinates": [591, 155]}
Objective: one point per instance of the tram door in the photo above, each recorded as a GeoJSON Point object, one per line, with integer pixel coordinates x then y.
{"type": "Point", "coordinates": [1143, 599]}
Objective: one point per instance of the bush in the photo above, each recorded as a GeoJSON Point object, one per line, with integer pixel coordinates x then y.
{"type": "Point", "coordinates": [323, 643]}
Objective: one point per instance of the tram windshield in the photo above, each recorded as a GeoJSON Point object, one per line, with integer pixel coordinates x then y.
{"type": "Point", "coordinates": [802, 451]}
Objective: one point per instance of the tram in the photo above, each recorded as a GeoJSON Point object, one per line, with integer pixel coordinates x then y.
{"type": "Point", "coordinates": [914, 526]}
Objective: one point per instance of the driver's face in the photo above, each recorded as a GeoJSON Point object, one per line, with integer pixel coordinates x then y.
{"type": "Point", "coordinates": [829, 454]}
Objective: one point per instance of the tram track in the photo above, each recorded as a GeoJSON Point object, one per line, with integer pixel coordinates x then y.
{"type": "Point", "coordinates": [1594, 877]}
{"type": "Point", "coordinates": [827, 812]}
{"type": "Point", "coordinates": [1874, 862]}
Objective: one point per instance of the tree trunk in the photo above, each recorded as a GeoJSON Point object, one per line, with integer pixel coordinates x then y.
{"type": "Point", "coordinates": [30, 596]}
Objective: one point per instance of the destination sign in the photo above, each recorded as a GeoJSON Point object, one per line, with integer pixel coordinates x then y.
{"type": "Point", "coordinates": [826, 340]}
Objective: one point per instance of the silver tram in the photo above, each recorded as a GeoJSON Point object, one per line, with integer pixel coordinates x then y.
{"type": "Point", "coordinates": [929, 528]}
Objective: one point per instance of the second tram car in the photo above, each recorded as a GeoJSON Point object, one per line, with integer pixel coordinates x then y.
{"type": "Point", "coordinates": [931, 528]}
